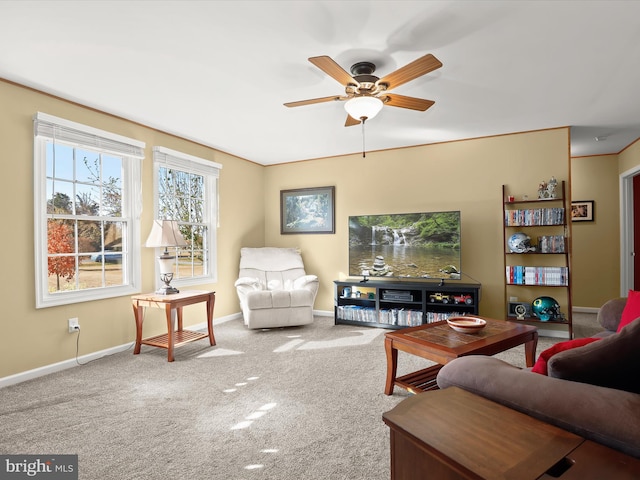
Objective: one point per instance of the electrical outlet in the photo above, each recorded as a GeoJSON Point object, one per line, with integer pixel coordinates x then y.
{"type": "Point", "coordinates": [74, 326]}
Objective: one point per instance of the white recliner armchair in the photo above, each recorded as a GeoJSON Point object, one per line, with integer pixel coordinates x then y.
{"type": "Point", "coordinates": [274, 289]}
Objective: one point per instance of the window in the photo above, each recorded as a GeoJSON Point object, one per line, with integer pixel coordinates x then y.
{"type": "Point", "coordinates": [186, 190]}
{"type": "Point", "coordinates": [86, 212]}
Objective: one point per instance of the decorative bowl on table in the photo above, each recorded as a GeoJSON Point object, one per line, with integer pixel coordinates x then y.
{"type": "Point", "coordinates": [466, 324]}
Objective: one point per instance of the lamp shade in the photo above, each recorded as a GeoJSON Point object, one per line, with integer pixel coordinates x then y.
{"type": "Point", "coordinates": [165, 233]}
{"type": "Point", "coordinates": [363, 107]}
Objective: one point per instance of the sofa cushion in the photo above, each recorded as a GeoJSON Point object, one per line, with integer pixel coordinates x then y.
{"type": "Point", "coordinates": [301, 298]}
{"type": "Point", "coordinates": [610, 313]}
{"type": "Point", "coordinates": [631, 309]}
{"type": "Point", "coordinates": [281, 298]}
{"type": "Point", "coordinates": [541, 363]}
{"type": "Point", "coordinates": [259, 299]}
{"type": "Point", "coordinates": [612, 362]}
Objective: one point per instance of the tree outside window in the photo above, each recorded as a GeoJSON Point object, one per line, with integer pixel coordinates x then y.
{"type": "Point", "coordinates": [84, 219]}
{"type": "Point", "coordinates": [186, 191]}
{"type": "Point", "coordinates": [86, 213]}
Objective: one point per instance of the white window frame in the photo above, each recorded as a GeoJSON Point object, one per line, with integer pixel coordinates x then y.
{"type": "Point", "coordinates": [210, 170]}
{"type": "Point", "coordinates": [47, 127]}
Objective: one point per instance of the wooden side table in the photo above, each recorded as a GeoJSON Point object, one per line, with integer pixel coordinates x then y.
{"type": "Point", "coordinates": [452, 434]}
{"type": "Point", "coordinates": [172, 304]}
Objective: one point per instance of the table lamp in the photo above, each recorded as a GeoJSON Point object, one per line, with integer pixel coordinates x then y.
{"type": "Point", "coordinates": [165, 233]}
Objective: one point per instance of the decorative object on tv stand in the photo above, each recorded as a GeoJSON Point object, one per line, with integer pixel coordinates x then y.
{"type": "Point", "coordinates": [547, 190]}
{"type": "Point", "coordinates": [165, 233]}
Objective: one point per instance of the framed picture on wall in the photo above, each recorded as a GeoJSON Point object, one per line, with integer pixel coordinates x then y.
{"type": "Point", "coordinates": [307, 210]}
{"type": "Point", "coordinates": [582, 211]}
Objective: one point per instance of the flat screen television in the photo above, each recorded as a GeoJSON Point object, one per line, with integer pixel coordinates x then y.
{"type": "Point", "coordinates": [415, 245]}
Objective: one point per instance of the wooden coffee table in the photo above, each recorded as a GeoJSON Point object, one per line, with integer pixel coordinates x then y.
{"type": "Point", "coordinates": [440, 343]}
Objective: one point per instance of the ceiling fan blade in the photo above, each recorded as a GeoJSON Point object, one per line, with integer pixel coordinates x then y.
{"type": "Point", "coordinates": [331, 68]}
{"type": "Point", "coordinates": [415, 69]}
{"type": "Point", "coordinates": [314, 100]}
{"type": "Point", "coordinates": [395, 100]}
{"type": "Point", "coordinates": [351, 121]}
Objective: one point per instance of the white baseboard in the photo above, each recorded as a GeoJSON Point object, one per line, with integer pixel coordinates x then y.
{"type": "Point", "coordinates": [585, 310]}
{"type": "Point", "coordinates": [553, 333]}
{"type": "Point", "coordinates": [57, 367]}
{"type": "Point", "coordinates": [73, 362]}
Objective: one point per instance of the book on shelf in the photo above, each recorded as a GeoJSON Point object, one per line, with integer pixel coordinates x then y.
{"type": "Point", "coordinates": [401, 317]}
{"type": "Point", "coordinates": [532, 217]}
{"type": "Point", "coordinates": [395, 316]}
{"type": "Point", "coordinates": [357, 313]}
{"type": "Point", "coordinates": [433, 317]}
{"type": "Point", "coordinates": [521, 275]}
{"type": "Point", "coordinates": [551, 244]}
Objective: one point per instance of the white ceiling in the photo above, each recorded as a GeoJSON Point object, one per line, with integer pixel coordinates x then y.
{"type": "Point", "coordinates": [218, 72]}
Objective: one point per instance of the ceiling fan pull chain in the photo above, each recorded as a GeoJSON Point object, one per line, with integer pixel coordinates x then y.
{"type": "Point", "coordinates": [363, 149]}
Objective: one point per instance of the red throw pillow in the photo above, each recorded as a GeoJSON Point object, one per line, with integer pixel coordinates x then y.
{"type": "Point", "coordinates": [541, 364]}
{"type": "Point", "coordinates": [631, 309]}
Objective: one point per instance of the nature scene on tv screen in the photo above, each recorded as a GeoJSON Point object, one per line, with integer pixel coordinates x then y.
{"type": "Point", "coordinates": [417, 245]}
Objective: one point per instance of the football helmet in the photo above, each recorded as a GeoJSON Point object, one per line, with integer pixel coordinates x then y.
{"type": "Point", "coordinates": [546, 308]}
{"type": "Point", "coordinates": [519, 243]}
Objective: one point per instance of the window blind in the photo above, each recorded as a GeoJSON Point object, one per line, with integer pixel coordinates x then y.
{"type": "Point", "coordinates": [181, 161]}
{"type": "Point", "coordinates": [48, 126]}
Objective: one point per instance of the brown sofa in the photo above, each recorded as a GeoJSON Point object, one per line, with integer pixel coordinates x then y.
{"type": "Point", "coordinates": [593, 390]}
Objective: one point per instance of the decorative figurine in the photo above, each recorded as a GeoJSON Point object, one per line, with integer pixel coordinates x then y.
{"type": "Point", "coordinates": [542, 189]}
{"type": "Point", "coordinates": [548, 189]}
{"type": "Point", "coordinates": [551, 188]}
{"type": "Point", "coordinates": [520, 311]}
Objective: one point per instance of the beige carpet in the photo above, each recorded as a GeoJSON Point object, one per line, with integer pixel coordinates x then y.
{"type": "Point", "coordinates": [299, 403]}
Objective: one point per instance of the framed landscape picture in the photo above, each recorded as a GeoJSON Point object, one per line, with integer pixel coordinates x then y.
{"type": "Point", "coordinates": [582, 211]}
{"type": "Point", "coordinates": [307, 210]}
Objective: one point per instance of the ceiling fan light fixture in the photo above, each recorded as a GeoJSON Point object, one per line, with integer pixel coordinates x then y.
{"type": "Point", "coordinates": [363, 107]}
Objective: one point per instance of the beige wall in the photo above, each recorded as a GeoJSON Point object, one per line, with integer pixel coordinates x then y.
{"type": "Point", "coordinates": [34, 338]}
{"type": "Point", "coordinates": [465, 176]}
{"type": "Point", "coordinates": [629, 158]}
{"type": "Point", "coordinates": [596, 245]}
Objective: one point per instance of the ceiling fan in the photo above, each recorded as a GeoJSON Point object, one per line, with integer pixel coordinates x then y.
{"type": "Point", "coordinates": [365, 94]}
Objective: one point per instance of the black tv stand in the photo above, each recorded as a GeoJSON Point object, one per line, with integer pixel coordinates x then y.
{"type": "Point", "coordinates": [397, 304]}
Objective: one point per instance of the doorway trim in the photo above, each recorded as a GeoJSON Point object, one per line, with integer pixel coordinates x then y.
{"type": "Point", "coordinates": [626, 230]}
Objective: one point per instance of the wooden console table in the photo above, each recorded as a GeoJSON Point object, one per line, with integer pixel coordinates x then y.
{"type": "Point", "coordinates": [452, 434]}
{"type": "Point", "coordinates": [172, 304]}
